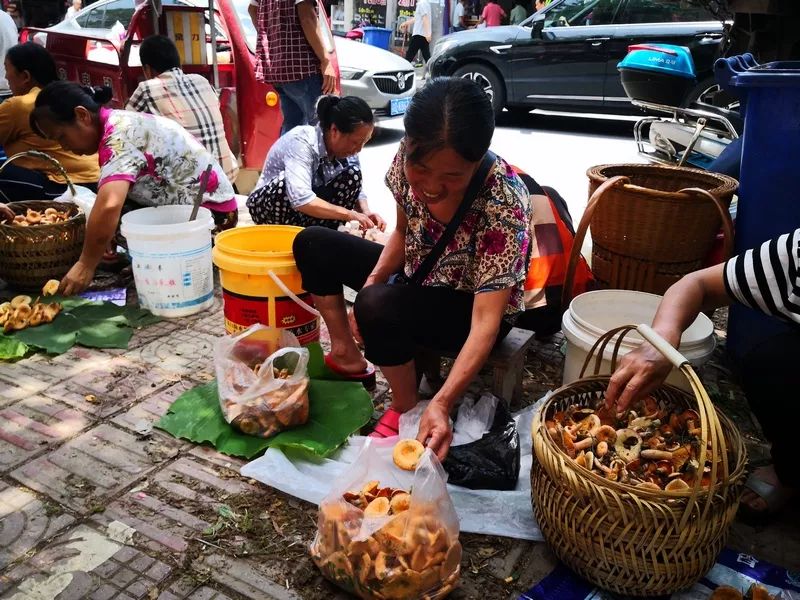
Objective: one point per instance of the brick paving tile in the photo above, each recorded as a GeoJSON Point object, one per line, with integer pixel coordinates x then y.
{"type": "Point", "coordinates": [82, 473]}
{"type": "Point", "coordinates": [31, 426]}
{"type": "Point", "coordinates": [112, 387]}
{"type": "Point", "coordinates": [15, 385]}
{"type": "Point", "coordinates": [187, 589]}
{"type": "Point", "coordinates": [55, 369]}
{"type": "Point", "coordinates": [25, 521]}
{"type": "Point", "coordinates": [163, 511]}
{"type": "Point", "coordinates": [150, 410]}
{"type": "Point", "coordinates": [183, 352]}
{"type": "Point", "coordinates": [84, 564]}
{"type": "Point", "coordinates": [246, 578]}
{"type": "Point", "coordinates": [145, 335]}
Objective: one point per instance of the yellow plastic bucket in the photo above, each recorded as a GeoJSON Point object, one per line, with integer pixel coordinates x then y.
{"type": "Point", "coordinates": [261, 283]}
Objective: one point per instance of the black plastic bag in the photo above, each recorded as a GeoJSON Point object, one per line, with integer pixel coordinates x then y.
{"type": "Point", "coordinates": [490, 463]}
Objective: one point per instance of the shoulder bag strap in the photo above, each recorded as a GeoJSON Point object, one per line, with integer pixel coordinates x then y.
{"type": "Point", "coordinates": [474, 187]}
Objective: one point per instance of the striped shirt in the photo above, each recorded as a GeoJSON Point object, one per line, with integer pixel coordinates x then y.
{"type": "Point", "coordinates": [768, 278]}
{"type": "Point", "coordinates": [192, 102]}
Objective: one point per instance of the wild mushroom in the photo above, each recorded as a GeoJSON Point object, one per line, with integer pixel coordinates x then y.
{"type": "Point", "coordinates": [602, 449]}
{"type": "Point", "coordinates": [677, 485]}
{"type": "Point", "coordinates": [568, 443]}
{"type": "Point", "coordinates": [680, 457]}
{"type": "Point", "coordinates": [628, 445]}
{"type": "Point", "coordinates": [651, 454]}
{"type": "Point", "coordinates": [651, 408]}
{"type": "Point", "coordinates": [689, 419]}
{"type": "Point", "coordinates": [648, 485]}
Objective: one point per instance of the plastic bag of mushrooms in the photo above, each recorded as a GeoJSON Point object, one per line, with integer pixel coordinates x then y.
{"type": "Point", "coordinates": [651, 446]}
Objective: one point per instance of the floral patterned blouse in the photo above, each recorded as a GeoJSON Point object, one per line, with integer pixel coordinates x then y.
{"type": "Point", "coordinates": [161, 159]}
{"type": "Point", "coordinates": [490, 249]}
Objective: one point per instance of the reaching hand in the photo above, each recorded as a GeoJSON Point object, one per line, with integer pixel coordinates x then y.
{"type": "Point", "coordinates": [6, 214]}
{"type": "Point", "coordinates": [76, 280]}
{"type": "Point", "coordinates": [639, 373]}
{"type": "Point", "coordinates": [435, 431]}
{"type": "Point", "coordinates": [363, 220]}
{"type": "Point", "coordinates": [377, 220]}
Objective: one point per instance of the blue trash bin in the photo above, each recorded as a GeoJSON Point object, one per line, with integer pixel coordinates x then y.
{"type": "Point", "coordinates": [769, 179]}
{"type": "Point", "coordinates": [377, 36]}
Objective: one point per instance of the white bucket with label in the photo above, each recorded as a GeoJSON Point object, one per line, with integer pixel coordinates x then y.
{"type": "Point", "coordinates": [592, 314]}
{"type": "Point", "coordinates": [171, 259]}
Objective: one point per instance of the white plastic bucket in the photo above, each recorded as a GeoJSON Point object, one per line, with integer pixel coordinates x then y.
{"type": "Point", "coordinates": [592, 314]}
{"type": "Point", "coordinates": [171, 259]}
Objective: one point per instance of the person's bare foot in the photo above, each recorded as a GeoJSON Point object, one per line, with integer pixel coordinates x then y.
{"type": "Point", "coordinates": [758, 504]}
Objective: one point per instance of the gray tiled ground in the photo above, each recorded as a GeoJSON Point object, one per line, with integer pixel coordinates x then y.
{"type": "Point", "coordinates": [73, 470]}
{"type": "Point", "coordinates": [85, 472]}
{"type": "Point", "coordinates": [32, 426]}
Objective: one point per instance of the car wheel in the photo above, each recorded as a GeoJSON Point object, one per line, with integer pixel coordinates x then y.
{"type": "Point", "coordinates": [488, 80]}
{"type": "Point", "coordinates": [709, 92]}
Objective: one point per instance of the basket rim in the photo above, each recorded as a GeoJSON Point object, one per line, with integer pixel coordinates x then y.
{"type": "Point", "coordinates": [646, 494]}
{"type": "Point", "coordinates": [725, 183]}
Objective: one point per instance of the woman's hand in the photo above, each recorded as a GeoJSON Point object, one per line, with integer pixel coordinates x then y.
{"type": "Point", "coordinates": [7, 215]}
{"type": "Point", "coordinates": [434, 429]}
{"type": "Point", "coordinates": [377, 220]}
{"type": "Point", "coordinates": [76, 280]}
{"type": "Point", "coordinates": [363, 220]}
{"type": "Point", "coordinates": [639, 373]}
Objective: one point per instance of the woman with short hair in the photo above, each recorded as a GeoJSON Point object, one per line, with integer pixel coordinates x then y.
{"type": "Point", "coordinates": [451, 274]}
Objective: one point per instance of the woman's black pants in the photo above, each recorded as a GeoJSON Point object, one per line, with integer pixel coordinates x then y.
{"type": "Point", "coordinates": [393, 319]}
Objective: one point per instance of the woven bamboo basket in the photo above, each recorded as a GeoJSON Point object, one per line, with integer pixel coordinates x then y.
{"type": "Point", "coordinates": [629, 540]}
{"type": "Point", "coordinates": [29, 256]}
{"type": "Point", "coordinates": [653, 224]}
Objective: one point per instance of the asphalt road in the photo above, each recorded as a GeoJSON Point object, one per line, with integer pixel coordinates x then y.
{"type": "Point", "coordinates": [555, 149]}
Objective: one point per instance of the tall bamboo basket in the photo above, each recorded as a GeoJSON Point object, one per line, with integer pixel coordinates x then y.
{"type": "Point", "coordinates": [631, 540]}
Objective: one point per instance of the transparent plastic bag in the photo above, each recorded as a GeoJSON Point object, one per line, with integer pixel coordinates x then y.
{"type": "Point", "coordinates": [262, 376]}
{"type": "Point", "coordinates": [406, 554]}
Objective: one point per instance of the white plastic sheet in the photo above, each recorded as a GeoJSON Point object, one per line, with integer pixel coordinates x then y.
{"type": "Point", "coordinates": [512, 515]}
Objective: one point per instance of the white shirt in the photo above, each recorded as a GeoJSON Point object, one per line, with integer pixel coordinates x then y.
{"type": "Point", "coordinates": [458, 12]}
{"type": "Point", "coordinates": [8, 37]}
{"type": "Point", "coordinates": [423, 8]}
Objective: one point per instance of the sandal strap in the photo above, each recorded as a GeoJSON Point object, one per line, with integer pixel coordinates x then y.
{"type": "Point", "coordinates": [388, 425]}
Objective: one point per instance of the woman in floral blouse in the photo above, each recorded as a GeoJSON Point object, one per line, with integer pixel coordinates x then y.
{"type": "Point", "coordinates": [468, 300]}
{"type": "Point", "coordinates": [148, 160]}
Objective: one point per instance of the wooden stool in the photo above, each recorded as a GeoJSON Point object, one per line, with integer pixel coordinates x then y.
{"type": "Point", "coordinates": [507, 360]}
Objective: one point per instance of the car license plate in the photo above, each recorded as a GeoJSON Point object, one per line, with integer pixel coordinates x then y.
{"type": "Point", "coordinates": [398, 106]}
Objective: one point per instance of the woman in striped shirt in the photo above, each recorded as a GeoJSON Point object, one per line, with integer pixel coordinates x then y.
{"type": "Point", "coordinates": [765, 279]}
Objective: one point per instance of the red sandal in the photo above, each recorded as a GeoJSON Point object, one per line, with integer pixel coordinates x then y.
{"type": "Point", "coordinates": [365, 378]}
{"type": "Point", "coordinates": [388, 425]}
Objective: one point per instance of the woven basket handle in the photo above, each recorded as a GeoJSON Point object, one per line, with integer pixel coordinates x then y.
{"type": "Point", "coordinates": [725, 216]}
{"type": "Point", "coordinates": [580, 235]}
{"type": "Point", "coordinates": [710, 426]}
{"type": "Point", "coordinates": [45, 157]}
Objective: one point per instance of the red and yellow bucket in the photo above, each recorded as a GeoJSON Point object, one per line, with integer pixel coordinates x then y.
{"type": "Point", "coordinates": [261, 283]}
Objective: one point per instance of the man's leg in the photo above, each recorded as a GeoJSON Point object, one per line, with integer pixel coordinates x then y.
{"type": "Point", "coordinates": [290, 109]}
{"type": "Point", "coordinates": [313, 90]}
{"type": "Point", "coordinates": [413, 48]}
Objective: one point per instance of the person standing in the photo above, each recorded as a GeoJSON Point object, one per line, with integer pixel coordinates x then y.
{"type": "Point", "coordinates": [73, 9]}
{"type": "Point", "coordinates": [8, 38]}
{"type": "Point", "coordinates": [420, 25]}
{"type": "Point", "coordinates": [519, 13]}
{"type": "Point", "coordinates": [493, 14]}
{"type": "Point", "coordinates": [291, 55]}
{"type": "Point", "coordinates": [459, 16]}
{"type": "Point", "coordinates": [187, 99]}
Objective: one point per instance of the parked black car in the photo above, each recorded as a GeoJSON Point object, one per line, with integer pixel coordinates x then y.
{"type": "Point", "coordinates": [565, 56]}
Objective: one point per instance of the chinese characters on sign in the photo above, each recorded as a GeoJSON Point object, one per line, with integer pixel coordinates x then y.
{"type": "Point", "coordinates": [372, 12]}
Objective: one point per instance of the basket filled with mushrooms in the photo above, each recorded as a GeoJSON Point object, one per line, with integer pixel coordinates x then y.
{"type": "Point", "coordinates": [638, 503]}
{"type": "Point", "coordinates": [43, 239]}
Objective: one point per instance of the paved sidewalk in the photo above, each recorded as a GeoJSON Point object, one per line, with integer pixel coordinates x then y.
{"type": "Point", "coordinates": [95, 504]}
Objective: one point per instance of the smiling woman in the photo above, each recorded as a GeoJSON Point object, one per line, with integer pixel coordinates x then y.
{"type": "Point", "coordinates": [451, 274]}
